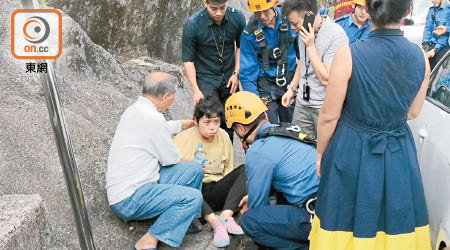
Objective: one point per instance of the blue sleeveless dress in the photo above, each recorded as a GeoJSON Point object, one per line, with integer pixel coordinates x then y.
{"type": "Point", "coordinates": [371, 195]}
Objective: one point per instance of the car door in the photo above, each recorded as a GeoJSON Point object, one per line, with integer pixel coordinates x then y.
{"type": "Point", "coordinates": [431, 131]}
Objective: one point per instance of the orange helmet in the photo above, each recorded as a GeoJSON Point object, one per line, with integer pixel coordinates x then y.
{"type": "Point", "coordinates": [360, 2]}
{"type": "Point", "coordinates": [259, 5]}
{"type": "Point", "coordinates": [243, 107]}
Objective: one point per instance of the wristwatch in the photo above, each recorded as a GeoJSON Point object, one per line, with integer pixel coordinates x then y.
{"type": "Point", "coordinates": [235, 74]}
{"type": "Point", "coordinates": [293, 88]}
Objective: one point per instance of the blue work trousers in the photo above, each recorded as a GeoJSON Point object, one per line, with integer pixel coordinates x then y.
{"type": "Point", "coordinates": [278, 226]}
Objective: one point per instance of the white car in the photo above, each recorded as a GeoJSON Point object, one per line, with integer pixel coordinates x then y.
{"type": "Point", "coordinates": [431, 131]}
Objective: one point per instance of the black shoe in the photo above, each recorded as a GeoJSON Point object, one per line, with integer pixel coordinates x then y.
{"type": "Point", "coordinates": [195, 227]}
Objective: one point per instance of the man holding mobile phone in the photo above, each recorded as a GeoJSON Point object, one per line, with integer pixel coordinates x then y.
{"type": "Point", "coordinates": [320, 40]}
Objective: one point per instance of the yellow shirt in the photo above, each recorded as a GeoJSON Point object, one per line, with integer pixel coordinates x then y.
{"type": "Point", "coordinates": [219, 152]}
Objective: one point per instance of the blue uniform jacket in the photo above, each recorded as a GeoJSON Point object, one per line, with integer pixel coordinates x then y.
{"type": "Point", "coordinates": [251, 66]}
{"type": "Point", "coordinates": [287, 165]}
{"type": "Point", "coordinates": [437, 17]}
{"type": "Point", "coordinates": [354, 34]}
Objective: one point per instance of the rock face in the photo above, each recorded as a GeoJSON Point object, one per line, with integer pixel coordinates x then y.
{"type": "Point", "coordinates": [151, 27]}
{"type": "Point", "coordinates": [95, 88]}
{"type": "Point", "coordinates": [23, 223]}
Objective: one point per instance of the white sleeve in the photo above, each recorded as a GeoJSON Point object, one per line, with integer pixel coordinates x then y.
{"type": "Point", "coordinates": [161, 144]}
{"type": "Point", "coordinates": [174, 126]}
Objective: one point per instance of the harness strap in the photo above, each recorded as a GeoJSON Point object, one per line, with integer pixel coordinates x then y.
{"type": "Point", "coordinates": [260, 38]}
{"type": "Point", "coordinates": [280, 54]}
{"type": "Point", "coordinates": [288, 130]}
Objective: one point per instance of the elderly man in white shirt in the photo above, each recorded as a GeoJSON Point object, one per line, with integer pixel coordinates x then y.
{"type": "Point", "coordinates": [145, 177]}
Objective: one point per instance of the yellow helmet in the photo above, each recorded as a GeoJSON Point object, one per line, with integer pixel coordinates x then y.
{"type": "Point", "coordinates": [360, 2]}
{"type": "Point", "coordinates": [259, 5]}
{"type": "Point", "coordinates": [243, 107]}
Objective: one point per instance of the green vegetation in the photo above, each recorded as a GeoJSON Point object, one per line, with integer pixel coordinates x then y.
{"type": "Point", "coordinates": [329, 5]}
{"type": "Point", "coordinates": [331, 11]}
{"type": "Point", "coordinates": [42, 2]}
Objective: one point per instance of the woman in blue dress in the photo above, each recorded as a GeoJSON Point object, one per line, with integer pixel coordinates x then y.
{"type": "Point", "coordinates": [371, 195]}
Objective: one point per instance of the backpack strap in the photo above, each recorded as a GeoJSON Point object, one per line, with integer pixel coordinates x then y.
{"type": "Point", "coordinates": [260, 38]}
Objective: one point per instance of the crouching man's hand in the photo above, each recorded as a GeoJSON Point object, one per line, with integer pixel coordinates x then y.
{"type": "Point", "coordinates": [243, 204]}
{"type": "Point", "coordinates": [185, 124]}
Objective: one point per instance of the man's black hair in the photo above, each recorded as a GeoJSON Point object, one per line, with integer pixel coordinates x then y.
{"type": "Point", "coordinates": [299, 6]}
{"type": "Point", "coordinates": [209, 107]}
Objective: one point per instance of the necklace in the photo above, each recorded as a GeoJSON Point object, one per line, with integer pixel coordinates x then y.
{"type": "Point", "coordinates": [217, 46]}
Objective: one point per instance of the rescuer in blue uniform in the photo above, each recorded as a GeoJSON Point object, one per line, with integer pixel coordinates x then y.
{"type": "Point", "coordinates": [357, 24]}
{"type": "Point", "coordinates": [286, 164]}
{"type": "Point", "coordinates": [268, 57]}
{"type": "Point", "coordinates": [436, 34]}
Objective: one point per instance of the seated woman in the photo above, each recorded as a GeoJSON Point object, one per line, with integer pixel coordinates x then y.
{"type": "Point", "coordinates": [223, 186]}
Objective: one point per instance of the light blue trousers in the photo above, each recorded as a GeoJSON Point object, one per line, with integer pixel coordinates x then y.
{"type": "Point", "coordinates": [176, 198]}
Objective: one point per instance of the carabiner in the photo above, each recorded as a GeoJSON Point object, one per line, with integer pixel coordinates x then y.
{"type": "Point", "coordinates": [281, 81]}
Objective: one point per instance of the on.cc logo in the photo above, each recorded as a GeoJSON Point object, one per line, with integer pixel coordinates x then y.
{"type": "Point", "coordinates": [36, 34]}
{"type": "Point", "coordinates": [36, 29]}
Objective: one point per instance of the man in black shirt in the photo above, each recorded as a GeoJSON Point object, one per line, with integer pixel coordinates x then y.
{"type": "Point", "coordinates": [210, 51]}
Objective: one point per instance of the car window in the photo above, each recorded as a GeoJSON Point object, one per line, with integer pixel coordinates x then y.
{"type": "Point", "coordinates": [439, 91]}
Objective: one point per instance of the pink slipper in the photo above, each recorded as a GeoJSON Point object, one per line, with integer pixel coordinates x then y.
{"type": "Point", "coordinates": [221, 238]}
{"type": "Point", "coordinates": [233, 227]}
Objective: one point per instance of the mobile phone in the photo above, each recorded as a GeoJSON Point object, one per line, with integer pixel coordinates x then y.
{"type": "Point", "coordinates": [309, 18]}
